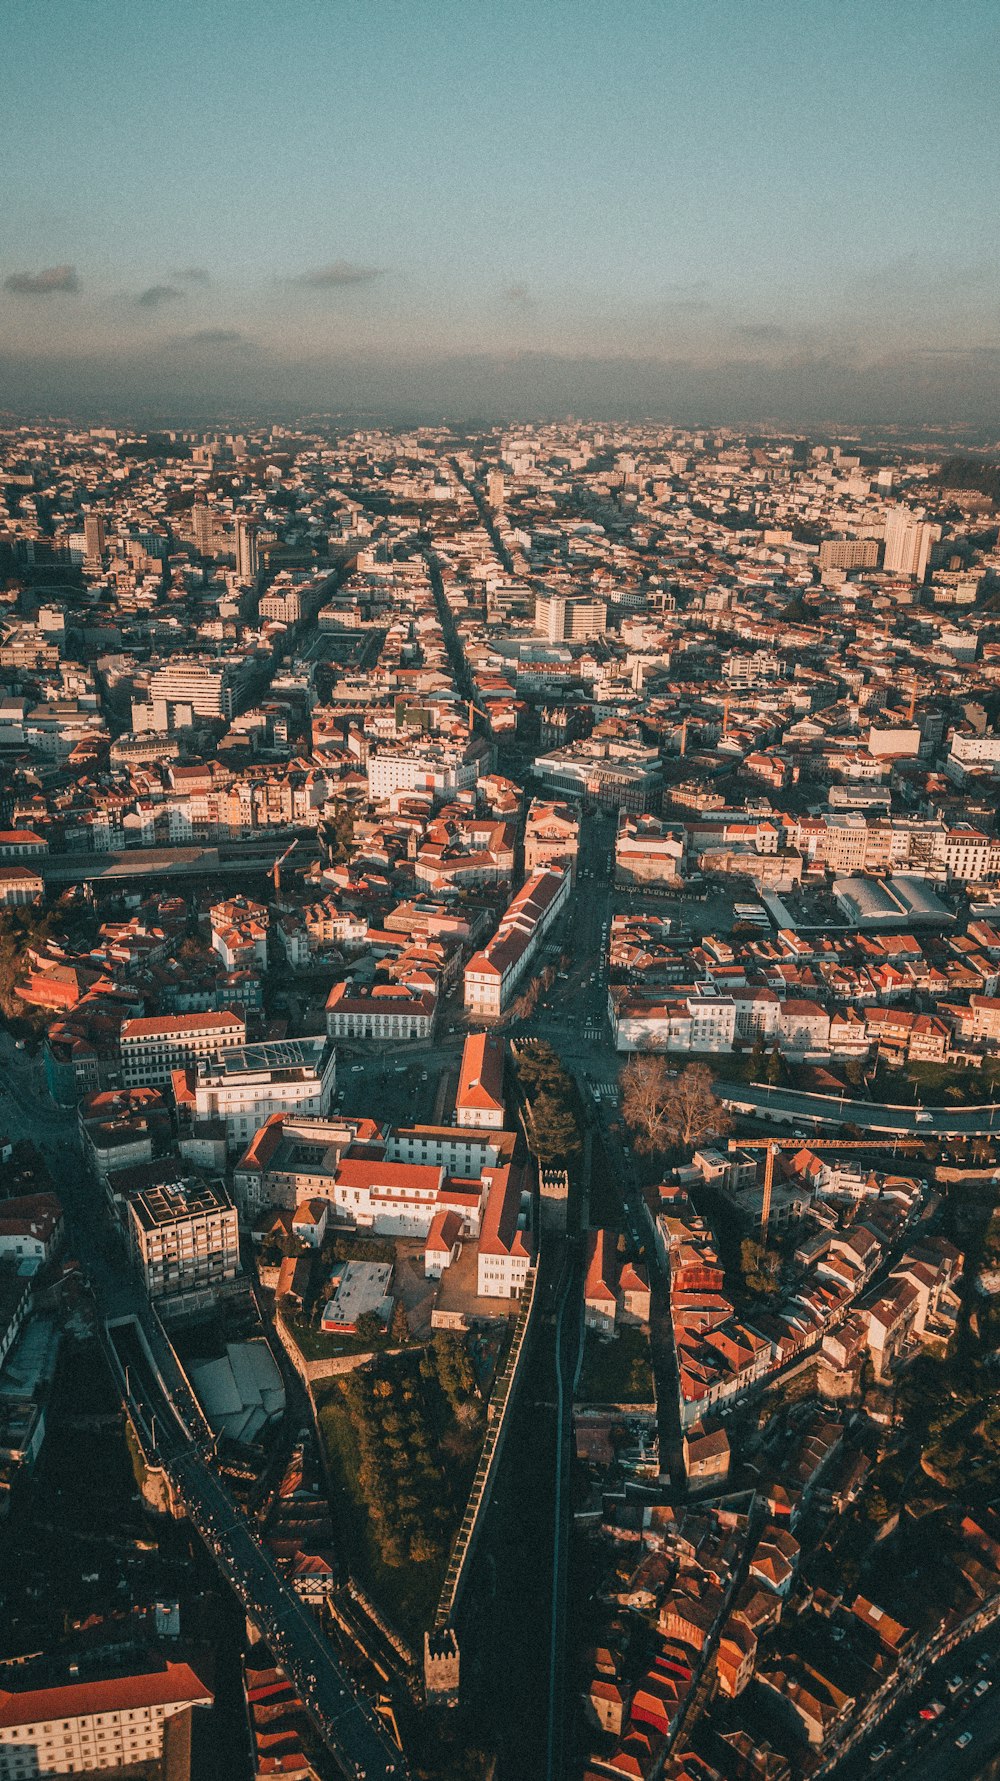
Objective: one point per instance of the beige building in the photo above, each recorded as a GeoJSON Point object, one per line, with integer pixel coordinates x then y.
{"type": "Point", "coordinates": [551, 836]}
{"type": "Point", "coordinates": [184, 1240]}
{"type": "Point", "coordinates": [153, 1047]}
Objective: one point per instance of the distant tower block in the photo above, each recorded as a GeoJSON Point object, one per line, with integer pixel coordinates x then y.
{"type": "Point", "coordinates": [553, 1188]}
{"type": "Point", "coordinates": [441, 1665]}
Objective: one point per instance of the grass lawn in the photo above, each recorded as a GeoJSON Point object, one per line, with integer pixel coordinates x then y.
{"type": "Point", "coordinates": [618, 1372]}
{"type": "Point", "coordinates": [954, 1084]}
{"type": "Point", "coordinates": [314, 1344]}
{"type": "Point", "coordinates": [407, 1593]}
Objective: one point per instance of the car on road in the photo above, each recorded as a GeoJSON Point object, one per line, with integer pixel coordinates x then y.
{"type": "Point", "coordinates": [954, 1683]}
{"type": "Point", "coordinates": [963, 1740]}
{"type": "Point", "coordinates": [981, 1687]}
{"type": "Point", "coordinates": [933, 1710]}
{"type": "Point", "coordinates": [877, 1754]}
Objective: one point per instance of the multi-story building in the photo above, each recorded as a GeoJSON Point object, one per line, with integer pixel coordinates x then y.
{"type": "Point", "coordinates": [606, 771]}
{"type": "Point", "coordinates": [94, 539]}
{"type": "Point", "coordinates": [493, 974]}
{"type": "Point", "coordinates": [647, 851]}
{"type": "Point", "coordinates": [386, 1011]}
{"type": "Point", "coordinates": [908, 544]}
{"type": "Point", "coordinates": [20, 885]}
{"type": "Point", "coordinates": [105, 1724]}
{"type": "Point", "coordinates": [245, 1084]}
{"type": "Point", "coordinates": [479, 1101]}
{"type": "Point", "coordinates": [567, 618]}
{"type": "Point", "coordinates": [849, 553]}
{"type": "Point", "coordinates": [247, 547]}
{"type": "Point", "coordinates": [551, 836]}
{"type": "Point", "coordinates": [184, 1241]}
{"type": "Point", "coordinates": [154, 1046]}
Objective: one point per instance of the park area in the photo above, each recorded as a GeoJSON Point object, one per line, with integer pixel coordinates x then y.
{"type": "Point", "coordinates": [402, 1439]}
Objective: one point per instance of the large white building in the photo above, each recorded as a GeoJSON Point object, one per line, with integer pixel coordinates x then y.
{"type": "Point", "coordinates": [386, 1011]}
{"type": "Point", "coordinates": [908, 544]}
{"type": "Point", "coordinates": [568, 618]}
{"type": "Point", "coordinates": [426, 766]}
{"type": "Point", "coordinates": [641, 1021]}
{"type": "Point", "coordinates": [110, 1724]}
{"type": "Point", "coordinates": [404, 1183]}
{"type": "Point", "coordinates": [245, 1085]}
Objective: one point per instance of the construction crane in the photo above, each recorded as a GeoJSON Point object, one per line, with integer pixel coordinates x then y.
{"type": "Point", "coordinates": [773, 1145]}
{"type": "Point", "coordinates": [276, 868]}
{"type": "Point", "coordinates": [912, 706]}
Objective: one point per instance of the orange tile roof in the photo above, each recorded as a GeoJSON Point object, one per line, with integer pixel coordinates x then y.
{"type": "Point", "coordinates": [176, 1684]}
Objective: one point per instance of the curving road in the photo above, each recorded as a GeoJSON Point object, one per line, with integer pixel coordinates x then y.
{"type": "Point", "coordinates": [793, 1107]}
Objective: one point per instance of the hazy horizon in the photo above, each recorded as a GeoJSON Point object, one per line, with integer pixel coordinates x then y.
{"type": "Point", "coordinates": [700, 213]}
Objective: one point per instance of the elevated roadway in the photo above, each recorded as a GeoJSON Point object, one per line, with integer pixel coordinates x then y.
{"type": "Point", "coordinates": [791, 1107]}
{"type": "Point", "coordinates": [350, 1728]}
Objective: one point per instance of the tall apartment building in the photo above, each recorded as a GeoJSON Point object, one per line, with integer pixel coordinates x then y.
{"type": "Point", "coordinates": [568, 618]}
{"type": "Point", "coordinates": [206, 529]}
{"type": "Point", "coordinates": [184, 1240]}
{"type": "Point", "coordinates": [94, 538]}
{"type": "Point", "coordinates": [908, 544]}
{"type": "Point", "coordinates": [110, 1724]}
{"type": "Point", "coordinates": [247, 547]}
{"type": "Point", "coordinates": [152, 1047]}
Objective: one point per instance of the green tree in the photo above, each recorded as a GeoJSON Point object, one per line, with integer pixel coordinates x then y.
{"type": "Point", "coordinates": [368, 1327]}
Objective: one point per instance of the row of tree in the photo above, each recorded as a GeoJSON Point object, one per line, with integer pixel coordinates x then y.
{"type": "Point", "coordinates": [554, 1124]}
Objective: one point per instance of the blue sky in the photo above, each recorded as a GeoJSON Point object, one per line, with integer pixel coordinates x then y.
{"type": "Point", "coordinates": [210, 194]}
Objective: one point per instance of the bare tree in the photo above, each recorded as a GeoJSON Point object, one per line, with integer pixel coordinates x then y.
{"type": "Point", "coordinates": [645, 1089]}
{"type": "Point", "coordinates": [694, 1113]}
{"type": "Point", "coordinates": [664, 1110]}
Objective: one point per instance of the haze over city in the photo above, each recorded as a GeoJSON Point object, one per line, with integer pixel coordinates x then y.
{"type": "Point", "coordinates": [704, 212]}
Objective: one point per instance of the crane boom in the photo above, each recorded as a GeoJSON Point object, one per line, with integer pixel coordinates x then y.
{"type": "Point", "coordinates": [772, 1146]}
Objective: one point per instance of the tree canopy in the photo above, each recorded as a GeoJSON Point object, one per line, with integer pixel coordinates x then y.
{"type": "Point", "coordinates": [665, 1110]}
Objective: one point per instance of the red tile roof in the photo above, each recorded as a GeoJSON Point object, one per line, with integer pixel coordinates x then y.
{"type": "Point", "coordinates": [176, 1684]}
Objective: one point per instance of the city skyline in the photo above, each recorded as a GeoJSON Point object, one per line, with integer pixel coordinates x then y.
{"type": "Point", "coordinates": [691, 212]}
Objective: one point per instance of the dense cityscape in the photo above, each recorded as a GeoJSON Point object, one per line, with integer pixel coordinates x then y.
{"type": "Point", "coordinates": [500, 981]}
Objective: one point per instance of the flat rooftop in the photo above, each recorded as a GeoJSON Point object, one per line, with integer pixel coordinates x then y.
{"type": "Point", "coordinates": [175, 1201]}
